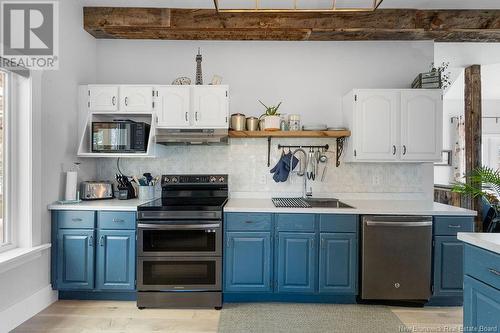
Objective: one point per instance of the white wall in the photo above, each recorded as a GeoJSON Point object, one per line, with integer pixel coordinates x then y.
{"type": "Point", "coordinates": [56, 128]}
{"type": "Point", "coordinates": [309, 77]}
{"type": "Point", "coordinates": [466, 54]}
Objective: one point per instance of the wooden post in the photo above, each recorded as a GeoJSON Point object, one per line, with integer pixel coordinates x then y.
{"type": "Point", "coordinates": [473, 131]}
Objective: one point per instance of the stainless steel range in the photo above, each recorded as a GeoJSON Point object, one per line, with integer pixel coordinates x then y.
{"type": "Point", "coordinates": [179, 243]}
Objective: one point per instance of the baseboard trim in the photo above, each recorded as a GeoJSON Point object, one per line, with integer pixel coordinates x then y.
{"type": "Point", "coordinates": [18, 313]}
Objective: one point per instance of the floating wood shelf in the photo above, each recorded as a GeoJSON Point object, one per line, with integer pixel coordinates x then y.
{"type": "Point", "coordinates": [340, 135]}
{"type": "Point", "coordinates": [289, 134]}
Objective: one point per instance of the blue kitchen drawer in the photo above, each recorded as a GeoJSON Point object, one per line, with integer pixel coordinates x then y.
{"type": "Point", "coordinates": [116, 220]}
{"type": "Point", "coordinates": [75, 219]}
{"type": "Point", "coordinates": [338, 223]}
{"type": "Point", "coordinates": [248, 222]}
{"type": "Point", "coordinates": [482, 265]}
{"type": "Point", "coordinates": [295, 222]}
{"type": "Point", "coordinates": [450, 225]}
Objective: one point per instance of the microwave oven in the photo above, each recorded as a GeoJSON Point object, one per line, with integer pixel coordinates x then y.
{"type": "Point", "coordinates": [120, 136]}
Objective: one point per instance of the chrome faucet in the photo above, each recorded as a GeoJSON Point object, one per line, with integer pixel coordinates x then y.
{"type": "Point", "coordinates": [302, 171]}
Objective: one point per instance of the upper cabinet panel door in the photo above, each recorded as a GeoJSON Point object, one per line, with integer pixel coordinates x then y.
{"type": "Point", "coordinates": [103, 98]}
{"type": "Point", "coordinates": [421, 125]}
{"type": "Point", "coordinates": [210, 106]}
{"type": "Point", "coordinates": [172, 107]}
{"type": "Point", "coordinates": [136, 98]}
{"type": "Point", "coordinates": [376, 125]}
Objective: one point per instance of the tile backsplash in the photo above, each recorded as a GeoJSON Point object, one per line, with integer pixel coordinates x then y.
{"type": "Point", "coordinates": [245, 160]}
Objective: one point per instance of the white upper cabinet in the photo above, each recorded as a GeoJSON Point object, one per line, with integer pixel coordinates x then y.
{"type": "Point", "coordinates": [377, 127]}
{"type": "Point", "coordinates": [103, 98]}
{"type": "Point", "coordinates": [210, 106]}
{"type": "Point", "coordinates": [136, 98]}
{"type": "Point", "coordinates": [173, 107]}
{"type": "Point", "coordinates": [390, 125]}
{"type": "Point", "coordinates": [421, 125]}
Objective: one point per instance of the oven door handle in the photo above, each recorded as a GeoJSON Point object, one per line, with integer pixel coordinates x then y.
{"type": "Point", "coordinates": [177, 226]}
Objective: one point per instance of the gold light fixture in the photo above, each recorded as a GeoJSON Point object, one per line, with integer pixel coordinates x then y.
{"type": "Point", "coordinates": [297, 6]}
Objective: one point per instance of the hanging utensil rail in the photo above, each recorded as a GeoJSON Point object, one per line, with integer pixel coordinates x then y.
{"type": "Point", "coordinates": [325, 147]}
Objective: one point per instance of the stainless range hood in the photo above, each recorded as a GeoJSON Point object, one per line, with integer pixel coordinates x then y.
{"type": "Point", "coordinates": [192, 136]}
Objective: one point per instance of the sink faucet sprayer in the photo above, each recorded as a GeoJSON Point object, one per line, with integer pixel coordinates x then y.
{"type": "Point", "coordinates": [302, 171]}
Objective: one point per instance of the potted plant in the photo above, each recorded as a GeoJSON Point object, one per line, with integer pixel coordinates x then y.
{"type": "Point", "coordinates": [271, 117]}
{"type": "Point", "coordinates": [483, 181]}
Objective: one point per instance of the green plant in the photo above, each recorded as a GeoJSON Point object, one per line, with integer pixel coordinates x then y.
{"type": "Point", "coordinates": [479, 180]}
{"type": "Point", "coordinates": [270, 110]}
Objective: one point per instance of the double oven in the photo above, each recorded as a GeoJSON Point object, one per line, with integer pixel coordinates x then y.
{"type": "Point", "coordinates": [179, 245]}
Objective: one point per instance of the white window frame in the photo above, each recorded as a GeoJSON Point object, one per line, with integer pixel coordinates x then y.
{"type": "Point", "coordinates": [9, 227]}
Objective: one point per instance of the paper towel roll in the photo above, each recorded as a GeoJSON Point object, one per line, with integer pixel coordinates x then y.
{"type": "Point", "coordinates": [71, 180]}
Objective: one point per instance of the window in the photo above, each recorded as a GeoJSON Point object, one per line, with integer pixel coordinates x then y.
{"type": "Point", "coordinates": [4, 239]}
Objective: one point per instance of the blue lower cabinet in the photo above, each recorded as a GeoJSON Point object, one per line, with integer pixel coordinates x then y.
{"type": "Point", "coordinates": [296, 262]}
{"type": "Point", "coordinates": [247, 262]}
{"type": "Point", "coordinates": [75, 259]}
{"type": "Point", "coordinates": [115, 260]}
{"type": "Point", "coordinates": [481, 306]}
{"type": "Point", "coordinates": [338, 263]}
{"type": "Point", "coordinates": [448, 266]}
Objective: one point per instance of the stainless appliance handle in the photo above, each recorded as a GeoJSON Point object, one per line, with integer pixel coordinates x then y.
{"type": "Point", "coordinates": [399, 224]}
{"type": "Point", "coordinates": [177, 226]}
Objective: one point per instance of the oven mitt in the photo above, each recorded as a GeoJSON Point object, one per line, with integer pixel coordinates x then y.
{"type": "Point", "coordinates": [287, 159]}
{"type": "Point", "coordinates": [282, 169]}
{"type": "Point", "coordinates": [278, 169]}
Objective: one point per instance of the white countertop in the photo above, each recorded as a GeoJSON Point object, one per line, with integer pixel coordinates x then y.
{"type": "Point", "coordinates": [113, 205]}
{"type": "Point", "coordinates": [372, 207]}
{"type": "Point", "coordinates": [487, 241]}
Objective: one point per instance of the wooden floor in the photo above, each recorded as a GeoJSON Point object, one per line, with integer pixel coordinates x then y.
{"type": "Point", "coordinates": [114, 317]}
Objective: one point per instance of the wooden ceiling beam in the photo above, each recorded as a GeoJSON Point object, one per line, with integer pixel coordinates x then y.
{"type": "Point", "coordinates": [206, 24]}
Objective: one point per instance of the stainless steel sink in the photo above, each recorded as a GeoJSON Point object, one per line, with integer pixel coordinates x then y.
{"type": "Point", "coordinates": [326, 203]}
{"type": "Point", "coordinates": [309, 203]}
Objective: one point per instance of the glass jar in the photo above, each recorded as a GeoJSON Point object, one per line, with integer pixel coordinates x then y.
{"type": "Point", "coordinates": [294, 122]}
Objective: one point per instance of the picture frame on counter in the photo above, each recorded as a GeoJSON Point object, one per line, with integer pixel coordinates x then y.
{"type": "Point", "coordinates": [446, 158]}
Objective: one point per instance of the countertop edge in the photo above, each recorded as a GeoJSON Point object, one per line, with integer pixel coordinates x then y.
{"type": "Point", "coordinates": [476, 240]}
{"type": "Point", "coordinates": [344, 211]}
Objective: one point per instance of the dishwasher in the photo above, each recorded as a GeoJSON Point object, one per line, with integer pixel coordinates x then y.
{"type": "Point", "coordinates": [396, 258]}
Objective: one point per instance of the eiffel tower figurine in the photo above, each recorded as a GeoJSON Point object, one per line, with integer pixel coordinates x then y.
{"type": "Point", "coordinates": [199, 75]}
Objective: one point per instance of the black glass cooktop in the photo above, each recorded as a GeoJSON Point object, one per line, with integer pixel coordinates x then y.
{"type": "Point", "coordinates": [184, 204]}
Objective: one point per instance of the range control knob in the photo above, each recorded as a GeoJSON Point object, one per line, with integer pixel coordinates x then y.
{"type": "Point", "coordinates": [175, 180]}
{"type": "Point", "coordinates": [213, 179]}
{"type": "Point", "coordinates": [166, 180]}
{"type": "Point", "coordinates": [221, 179]}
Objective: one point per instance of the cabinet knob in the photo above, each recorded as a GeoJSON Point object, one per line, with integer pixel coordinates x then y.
{"type": "Point", "coordinates": [394, 150]}
{"type": "Point", "coordinates": [91, 241]}
{"type": "Point", "coordinates": [101, 240]}
{"type": "Point", "coordinates": [186, 116]}
{"type": "Point", "coordinates": [404, 150]}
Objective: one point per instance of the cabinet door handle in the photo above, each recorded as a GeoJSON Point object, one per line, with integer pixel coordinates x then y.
{"type": "Point", "coordinates": [101, 240]}
{"type": "Point", "coordinates": [404, 150]}
{"type": "Point", "coordinates": [118, 220]}
{"type": "Point", "coordinates": [186, 116]}
{"type": "Point", "coordinates": [196, 116]}
{"type": "Point", "coordinates": [248, 222]}
{"type": "Point", "coordinates": [323, 244]}
{"type": "Point", "coordinates": [113, 100]}
{"type": "Point", "coordinates": [312, 243]}
{"type": "Point", "coordinates": [126, 101]}
{"type": "Point", "coordinates": [91, 241]}
{"type": "Point", "coordinates": [456, 226]}
{"type": "Point", "coordinates": [393, 150]}
{"type": "Point", "coordinates": [494, 271]}
{"type": "Point", "coordinates": [229, 242]}
{"type": "Point", "coordinates": [76, 220]}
